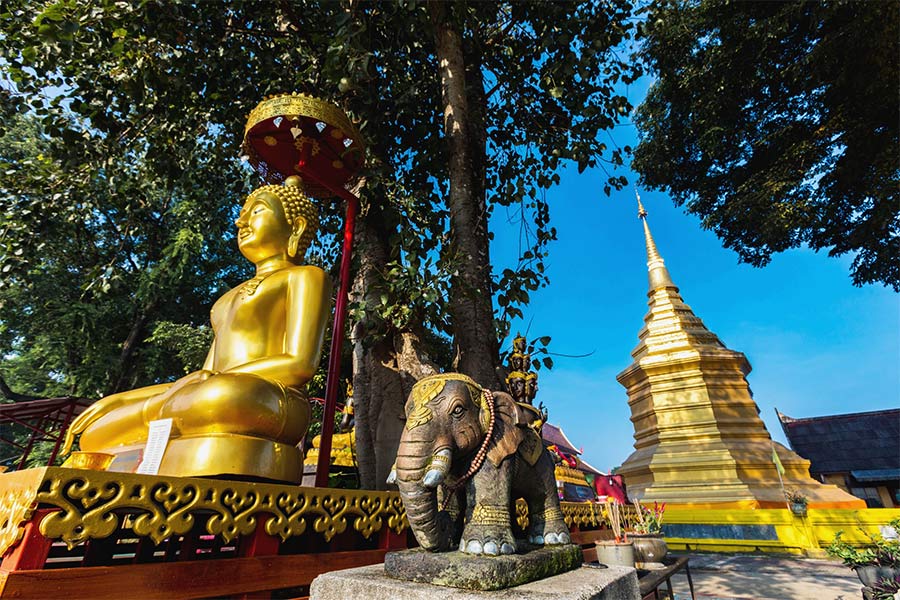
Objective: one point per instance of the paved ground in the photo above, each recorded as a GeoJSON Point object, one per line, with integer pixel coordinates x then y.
{"type": "Point", "coordinates": [754, 577]}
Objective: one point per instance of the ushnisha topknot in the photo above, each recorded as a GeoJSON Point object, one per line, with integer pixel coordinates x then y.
{"type": "Point", "coordinates": [295, 204]}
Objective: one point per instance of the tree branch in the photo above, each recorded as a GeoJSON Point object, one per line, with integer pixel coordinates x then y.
{"type": "Point", "coordinates": [14, 396]}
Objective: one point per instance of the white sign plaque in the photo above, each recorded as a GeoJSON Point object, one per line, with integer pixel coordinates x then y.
{"type": "Point", "coordinates": [157, 440]}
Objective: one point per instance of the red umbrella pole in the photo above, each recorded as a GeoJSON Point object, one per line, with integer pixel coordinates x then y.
{"type": "Point", "coordinates": [337, 331]}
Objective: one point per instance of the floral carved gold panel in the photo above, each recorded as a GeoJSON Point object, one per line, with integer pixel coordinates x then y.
{"type": "Point", "coordinates": [93, 504]}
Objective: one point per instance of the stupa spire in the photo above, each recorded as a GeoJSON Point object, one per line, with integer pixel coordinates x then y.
{"type": "Point", "coordinates": [656, 266]}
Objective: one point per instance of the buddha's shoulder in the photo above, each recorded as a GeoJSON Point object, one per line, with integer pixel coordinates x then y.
{"type": "Point", "coordinates": [305, 273]}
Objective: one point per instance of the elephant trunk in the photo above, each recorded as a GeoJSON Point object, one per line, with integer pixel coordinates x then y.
{"type": "Point", "coordinates": [418, 473]}
{"type": "Point", "coordinates": [431, 528]}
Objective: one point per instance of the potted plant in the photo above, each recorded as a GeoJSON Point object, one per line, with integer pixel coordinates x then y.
{"type": "Point", "coordinates": [619, 551]}
{"type": "Point", "coordinates": [649, 547]}
{"type": "Point", "coordinates": [877, 564]}
{"type": "Point", "coordinates": [797, 501]}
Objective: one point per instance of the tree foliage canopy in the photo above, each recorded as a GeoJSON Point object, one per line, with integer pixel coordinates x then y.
{"type": "Point", "coordinates": [777, 124]}
{"type": "Point", "coordinates": [120, 205]}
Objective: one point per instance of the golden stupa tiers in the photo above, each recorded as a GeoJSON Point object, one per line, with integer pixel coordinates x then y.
{"type": "Point", "coordinates": [245, 411]}
{"type": "Point", "coordinates": [699, 439]}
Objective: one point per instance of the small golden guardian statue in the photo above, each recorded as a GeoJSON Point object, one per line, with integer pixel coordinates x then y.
{"type": "Point", "coordinates": [244, 412]}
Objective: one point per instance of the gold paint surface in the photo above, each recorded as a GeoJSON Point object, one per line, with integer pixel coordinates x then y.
{"type": "Point", "coordinates": [18, 492]}
{"type": "Point", "coordinates": [484, 514]}
{"type": "Point", "coordinates": [796, 535]}
{"type": "Point", "coordinates": [301, 104]}
{"type": "Point", "coordinates": [93, 504]}
{"type": "Point", "coordinates": [570, 475]}
{"type": "Point", "coordinates": [98, 461]}
{"type": "Point", "coordinates": [343, 450]}
{"type": "Point", "coordinates": [246, 410]}
{"type": "Point", "coordinates": [586, 515]}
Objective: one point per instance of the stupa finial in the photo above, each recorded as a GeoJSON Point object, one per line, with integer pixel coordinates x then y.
{"type": "Point", "coordinates": [641, 212]}
{"type": "Point", "coordinates": [658, 273]}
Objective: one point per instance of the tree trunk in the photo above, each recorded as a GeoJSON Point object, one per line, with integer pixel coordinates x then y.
{"type": "Point", "coordinates": [129, 347]}
{"type": "Point", "coordinates": [385, 364]}
{"type": "Point", "coordinates": [471, 306]}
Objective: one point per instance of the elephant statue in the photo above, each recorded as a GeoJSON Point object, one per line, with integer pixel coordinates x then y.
{"type": "Point", "coordinates": [473, 450]}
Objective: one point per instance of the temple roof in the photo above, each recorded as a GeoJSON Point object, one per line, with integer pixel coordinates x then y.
{"type": "Point", "coordinates": [583, 465]}
{"type": "Point", "coordinates": [554, 435]}
{"type": "Point", "coordinates": [867, 443]}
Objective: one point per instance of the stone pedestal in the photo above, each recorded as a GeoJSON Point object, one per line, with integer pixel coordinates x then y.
{"type": "Point", "coordinates": [460, 570]}
{"type": "Point", "coordinates": [584, 583]}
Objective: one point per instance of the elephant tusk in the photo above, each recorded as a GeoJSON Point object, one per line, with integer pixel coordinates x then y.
{"type": "Point", "coordinates": [392, 476]}
{"type": "Point", "coordinates": [437, 472]}
{"type": "Point", "coordinates": [433, 478]}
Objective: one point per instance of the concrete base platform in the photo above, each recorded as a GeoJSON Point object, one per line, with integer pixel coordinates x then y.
{"type": "Point", "coordinates": [459, 570]}
{"type": "Point", "coordinates": [584, 583]}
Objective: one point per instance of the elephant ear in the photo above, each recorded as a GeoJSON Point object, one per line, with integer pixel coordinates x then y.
{"type": "Point", "coordinates": [507, 436]}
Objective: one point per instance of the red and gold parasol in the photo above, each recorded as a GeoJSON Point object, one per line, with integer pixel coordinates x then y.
{"type": "Point", "coordinates": [296, 134]}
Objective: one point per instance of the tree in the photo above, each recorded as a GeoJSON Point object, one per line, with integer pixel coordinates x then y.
{"type": "Point", "coordinates": [170, 85]}
{"type": "Point", "coordinates": [776, 123]}
{"type": "Point", "coordinates": [94, 263]}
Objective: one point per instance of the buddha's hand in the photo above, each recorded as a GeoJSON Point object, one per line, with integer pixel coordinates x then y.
{"type": "Point", "coordinates": [82, 421]}
{"type": "Point", "coordinates": [110, 404]}
{"type": "Point", "coordinates": [190, 379]}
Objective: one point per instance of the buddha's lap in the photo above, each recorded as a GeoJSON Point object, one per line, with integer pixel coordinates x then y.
{"type": "Point", "coordinates": [227, 403]}
{"type": "Point", "coordinates": [239, 403]}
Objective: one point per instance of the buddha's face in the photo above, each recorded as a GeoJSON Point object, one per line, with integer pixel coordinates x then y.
{"type": "Point", "coordinates": [263, 230]}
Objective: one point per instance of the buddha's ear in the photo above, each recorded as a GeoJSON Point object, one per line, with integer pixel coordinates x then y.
{"type": "Point", "coordinates": [297, 229]}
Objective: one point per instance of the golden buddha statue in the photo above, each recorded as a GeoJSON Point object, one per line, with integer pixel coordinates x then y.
{"type": "Point", "coordinates": [343, 443]}
{"type": "Point", "coordinates": [244, 412]}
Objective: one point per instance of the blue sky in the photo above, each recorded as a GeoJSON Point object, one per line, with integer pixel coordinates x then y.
{"type": "Point", "coordinates": [817, 344]}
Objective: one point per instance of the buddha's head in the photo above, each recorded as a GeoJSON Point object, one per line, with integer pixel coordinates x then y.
{"type": "Point", "coordinates": [277, 219]}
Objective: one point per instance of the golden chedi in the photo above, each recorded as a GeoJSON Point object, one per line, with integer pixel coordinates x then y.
{"type": "Point", "coordinates": [698, 438]}
{"type": "Point", "coordinates": [244, 412]}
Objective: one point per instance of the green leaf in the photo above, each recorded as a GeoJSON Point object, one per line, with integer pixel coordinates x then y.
{"type": "Point", "coordinates": [54, 12]}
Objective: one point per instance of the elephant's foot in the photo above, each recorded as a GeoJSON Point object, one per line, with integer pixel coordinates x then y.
{"type": "Point", "coordinates": [548, 528]}
{"type": "Point", "coordinates": [488, 532]}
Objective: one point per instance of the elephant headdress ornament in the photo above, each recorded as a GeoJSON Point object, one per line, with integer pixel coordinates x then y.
{"type": "Point", "coordinates": [473, 448]}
